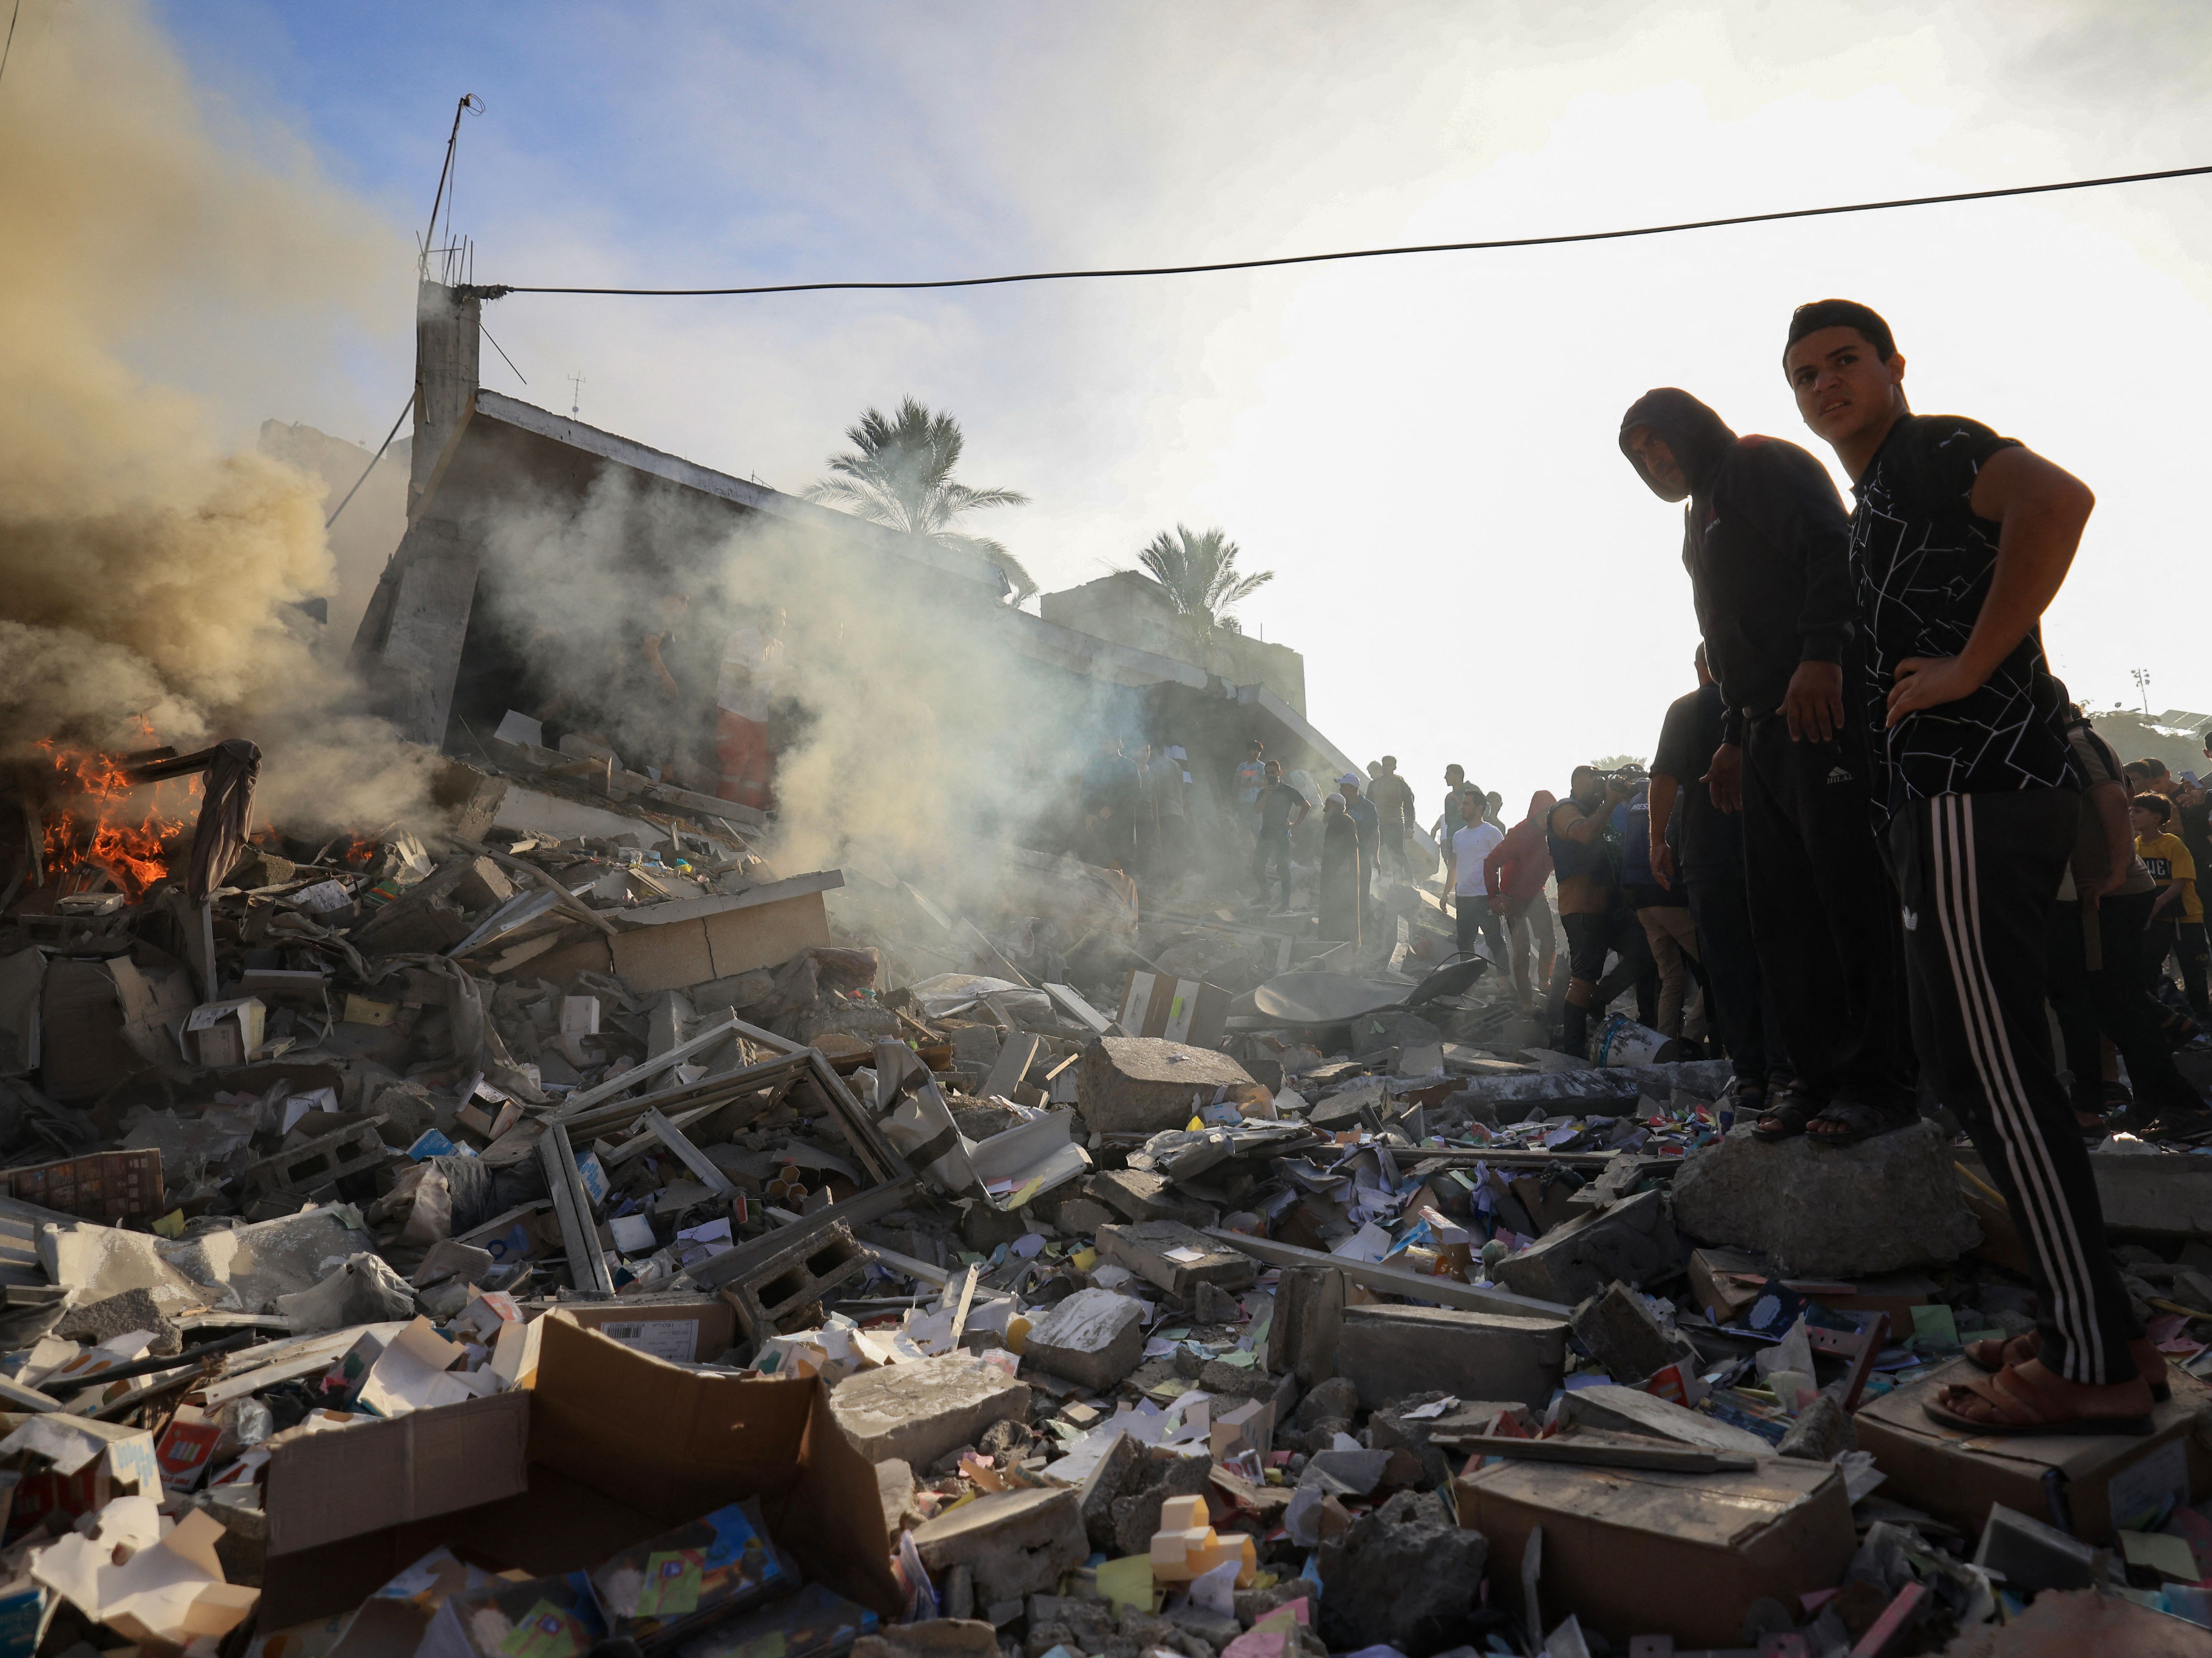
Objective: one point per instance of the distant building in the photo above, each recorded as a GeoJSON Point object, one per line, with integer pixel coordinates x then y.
{"type": "Point", "coordinates": [536, 549]}
{"type": "Point", "coordinates": [1130, 608]}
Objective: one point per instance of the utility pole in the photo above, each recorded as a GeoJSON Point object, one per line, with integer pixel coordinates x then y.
{"type": "Point", "coordinates": [575, 395]}
{"type": "Point", "coordinates": [2142, 677]}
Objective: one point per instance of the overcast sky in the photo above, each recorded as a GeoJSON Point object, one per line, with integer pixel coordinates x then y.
{"type": "Point", "coordinates": [1423, 450]}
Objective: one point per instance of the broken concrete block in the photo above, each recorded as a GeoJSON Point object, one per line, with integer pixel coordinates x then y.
{"type": "Point", "coordinates": [1139, 1194]}
{"type": "Point", "coordinates": [937, 1638]}
{"type": "Point", "coordinates": [1405, 1575]}
{"type": "Point", "coordinates": [1889, 1203]}
{"type": "Point", "coordinates": [120, 1315]}
{"type": "Point", "coordinates": [1141, 1085]}
{"type": "Point", "coordinates": [894, 1486]}
{"type": "Point", "coordinates": [1137, 1515]}
{"type": "Point", "coordinates": [1176, 1257]}
{"type": "Point", "coordinates": [1227, 1381]}
{"type": "Point", "coordinates": [918, 1412]}
{"type": "Point", "coordinates": [1307, 1326]}
{"type": "Point", "coordinates": [1016, 1542]}
{"type": "Point", "coordinates": [1630, 1410]}
{"type": "Point", "coordinates": [1217, 1306]}
{"type": "Point", "coordinates": [1823, 1431]}
{"type": "Point", "coordinates": [1632, 1241]}
{"type": "Point", "coordinates": [1111, 1479]}
{"type": "Point", "coordinates": [1625, 1336]}
{"type": "Point", "coordinates": [1332, 1398]}
{"type": "Point", "coordinates": [1094, 1338]}
{"type": "Point", "coordinates": [1387, 1352]}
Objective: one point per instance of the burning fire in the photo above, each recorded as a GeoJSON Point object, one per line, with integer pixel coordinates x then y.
{"type": "Point", "coordinates": [104, 830]}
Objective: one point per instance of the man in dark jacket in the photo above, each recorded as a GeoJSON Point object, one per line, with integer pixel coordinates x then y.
{"type": "Point", "coordinates": [1765, 544]}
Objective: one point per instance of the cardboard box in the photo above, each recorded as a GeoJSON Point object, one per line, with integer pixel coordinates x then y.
{"type": "Point", "coordinates": [621, 1447]}
{"type": "Point", "coordinates": [1632, 1552]}
{"type": "Point", "coordinates": [225, 1033]}
{"type": "Point", "coordinates": [689, 941]}
{"type": "Point", "coordinates": [325, 1486]}
{"type": "Point", "coordinates": [1179, 1009]}
{"type": "Point", "coordinates": [690, 1331]}
{"type": "Point", "coordinates": [2106, 1481]}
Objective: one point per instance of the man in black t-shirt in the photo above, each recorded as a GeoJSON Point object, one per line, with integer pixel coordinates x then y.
{"type": "Point", "coordinates": [1765, 541]}
{"type": "Point", "coordinates": [1959, 541]}
{"type": "Point", "coordinates": [1705, 858]}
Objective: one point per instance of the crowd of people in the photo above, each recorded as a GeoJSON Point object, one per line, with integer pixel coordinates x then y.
{"type": "Point", "coordinates": [1879, 855]}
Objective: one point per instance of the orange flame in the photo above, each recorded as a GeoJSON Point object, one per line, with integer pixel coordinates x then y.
{"type": "Point", "coordinates": [132, 841]}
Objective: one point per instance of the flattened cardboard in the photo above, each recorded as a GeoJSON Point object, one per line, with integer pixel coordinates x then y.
{"type": "Point", "coordinates": [622, 1447]}
{"type": "Point", "coordinates": [676, 955]}
{"type": "Point", "coordinates": [1956, 1476]}
{"type": "Point", "coordinates": [1630, 1551]}
{"type": "Point", "coordinates": [1178, 1009]}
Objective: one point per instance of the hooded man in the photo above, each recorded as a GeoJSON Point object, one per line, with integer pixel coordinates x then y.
{"type": "Point", "coordinates": [1766, 543]}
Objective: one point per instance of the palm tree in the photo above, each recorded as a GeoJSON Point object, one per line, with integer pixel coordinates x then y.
{"type": "Point", "coordinates": [1200, 575]}
{"type": "Point", "coordinates": [900, 474]}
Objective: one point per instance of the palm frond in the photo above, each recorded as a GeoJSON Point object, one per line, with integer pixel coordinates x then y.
{"type": "Point", "coordinates": [899, 473]}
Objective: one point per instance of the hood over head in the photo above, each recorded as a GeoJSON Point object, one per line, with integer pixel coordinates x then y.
{"type": "Point", "coordinates": [1700, 438]}
{"type": "Point", "coordinates": [1542, 801]}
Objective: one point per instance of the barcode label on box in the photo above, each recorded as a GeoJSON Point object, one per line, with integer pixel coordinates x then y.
{"type": "Point", "coordinates": [674, 1338]}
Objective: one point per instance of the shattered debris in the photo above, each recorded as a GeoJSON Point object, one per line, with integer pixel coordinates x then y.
{"type": "Point", "coordinates": [860, 1286]}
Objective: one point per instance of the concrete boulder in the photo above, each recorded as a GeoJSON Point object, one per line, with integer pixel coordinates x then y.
{"type": "Point", "coordinates": [1015, 1543]}
{"type": "Point", "coordinates": [1406, 1576]}
{"type": "Point", "coordinates": [1631, 1242]}
{"type": "Point", "coordinates": [917, 1412]}
{"type": "Point", "coordinates": [1141, 1085]}
{"type": "Point", "coordinates": [1093, 1338]}
{"type": "Point", "coordinates": [1888, 1204]}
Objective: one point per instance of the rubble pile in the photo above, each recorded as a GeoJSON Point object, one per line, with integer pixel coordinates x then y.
{"type": "Point", "coordinates": [552, 1225]}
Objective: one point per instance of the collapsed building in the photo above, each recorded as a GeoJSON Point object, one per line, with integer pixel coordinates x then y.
{"type": "Point", "coordinates": [592, 1208]}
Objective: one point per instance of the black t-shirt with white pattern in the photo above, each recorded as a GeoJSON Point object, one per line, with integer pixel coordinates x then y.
{"type": "Point", "coordinates": [1922, 561]}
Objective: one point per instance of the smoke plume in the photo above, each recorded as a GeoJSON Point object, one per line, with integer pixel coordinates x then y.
{"type": "Point", "coordinates": [147, 573]}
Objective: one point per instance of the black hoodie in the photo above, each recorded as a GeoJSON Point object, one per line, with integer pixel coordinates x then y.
{"type": "Point", "coordinates": [1766, 543]}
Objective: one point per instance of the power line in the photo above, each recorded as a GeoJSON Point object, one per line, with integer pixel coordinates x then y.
{"type": "Point", "coordinates": [503, 357]}
{"type": "Point", "coordinates": [7, 51]}
{"type": "Point", "coordinates": [498, 290]}
{"type": "Point", "coordinates": [372, 460]}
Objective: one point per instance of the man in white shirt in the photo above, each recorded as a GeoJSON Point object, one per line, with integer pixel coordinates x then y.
{"type": "Point", "coordinates": [1464, 853]}
{"type": "Point", "coordinates": [751, 660]}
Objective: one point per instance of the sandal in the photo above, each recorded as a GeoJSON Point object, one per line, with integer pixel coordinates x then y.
{"type": "Point", "coordinates": [2020, 1403]}
{"type": "Point", "coordinates": [2149, 1363]}
{"type": "Point", "coordinates": [1788, 1110]}
{"type": "Point", "coordinates": [1858, 1123]}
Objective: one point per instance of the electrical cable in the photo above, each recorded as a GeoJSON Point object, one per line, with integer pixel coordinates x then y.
{"type": "Point", "coordinates": [7, 51]}
{"type": "Point", "coordinates": [503, 357]}
{"type": "Point", "coordinates": [405, 409]}
{"type": "Point", "coordinates": [499, 290]}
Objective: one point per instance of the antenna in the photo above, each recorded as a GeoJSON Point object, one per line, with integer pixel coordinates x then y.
{"type": "Point", "coordinates": [472, 104]}
{"type": "Point", "coordinates": [575, 394]}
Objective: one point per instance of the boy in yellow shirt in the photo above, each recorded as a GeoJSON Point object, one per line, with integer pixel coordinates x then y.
{"type": "Point", "coordinates": [2177, 918]}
